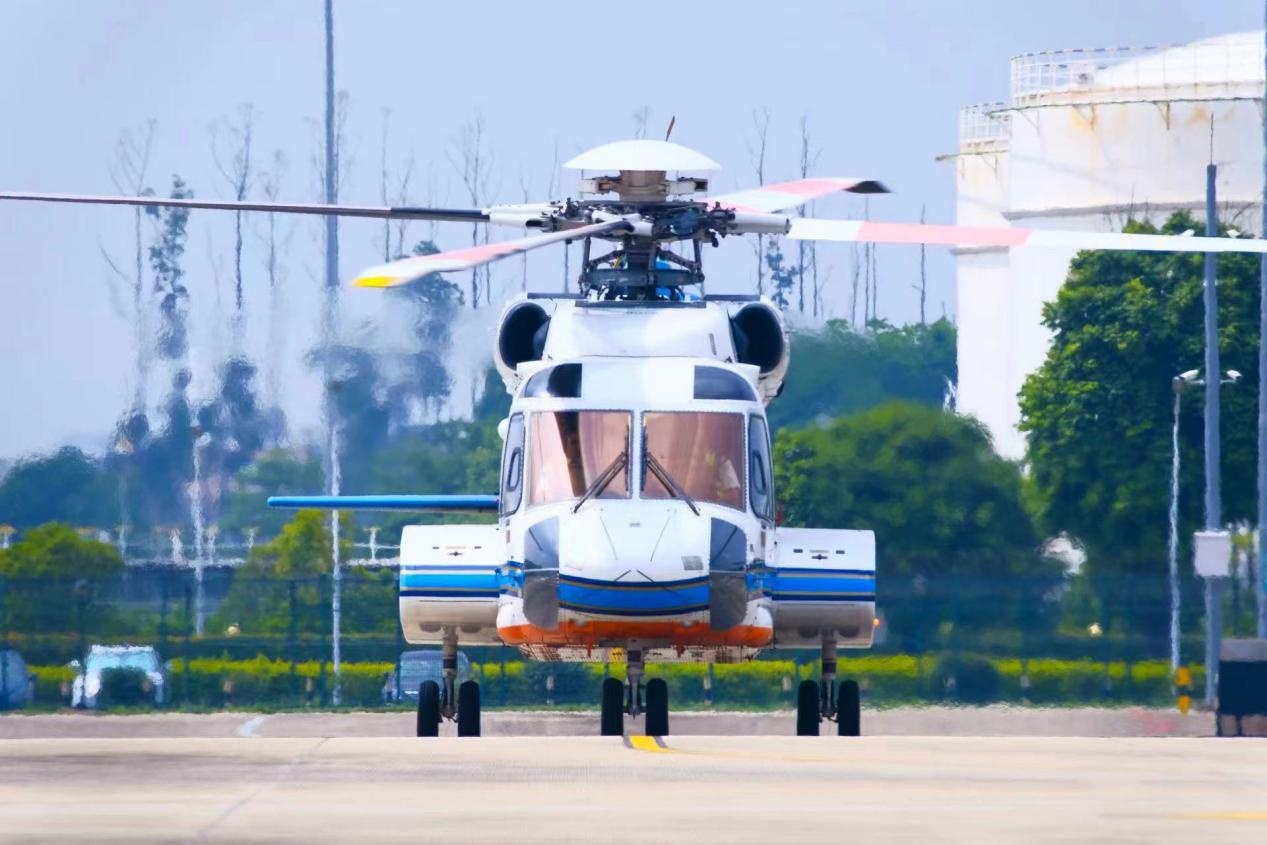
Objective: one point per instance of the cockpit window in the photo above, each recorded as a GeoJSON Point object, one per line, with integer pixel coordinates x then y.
{"type": "Point", "coordinates": [513, 466]}
{"type": "Point", "coordinates": [572, 451]}
{"type": "Point", "coordinates": [699, 454]}
{"type": "Point", "coordinates": [760, 475]}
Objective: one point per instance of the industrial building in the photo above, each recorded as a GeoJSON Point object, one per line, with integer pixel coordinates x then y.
{"type": "Point", "coordinates": [1088, 139]}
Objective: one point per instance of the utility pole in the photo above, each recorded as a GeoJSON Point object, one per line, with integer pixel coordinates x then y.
{"type": "Point", "coordinates": [1262, 388]}
{"type": "Point", "coordinates": [1213, 379]}
{"type": "Point", "coordinates": [329, 333]}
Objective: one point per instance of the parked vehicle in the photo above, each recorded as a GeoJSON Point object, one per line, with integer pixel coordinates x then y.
{"type": "Point", "coordinates": [17, 687]}
{"type": "Point", "coordinates": [414, 667]}
{"type": "Point", "coordinates": [86, 688]}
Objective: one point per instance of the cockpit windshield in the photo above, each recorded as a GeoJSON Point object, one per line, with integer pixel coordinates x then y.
{"type": "Point", "coordinates": [700, 454]}
{"type": "Point", "coordinates": [573, 453]}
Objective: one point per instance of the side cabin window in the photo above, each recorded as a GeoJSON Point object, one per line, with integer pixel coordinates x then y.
{"type": "Point", "coordinates": [512, 492]}
{"type": "Point", "coordinates": [760, 475]}
{"type": "Point", "coordinates": [700, 454]}
{"type": "Point", "coordinates": [574, 451]}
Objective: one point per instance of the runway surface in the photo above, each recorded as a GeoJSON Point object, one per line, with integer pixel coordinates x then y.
{"type": "Point", "coordinates": [635, 789]}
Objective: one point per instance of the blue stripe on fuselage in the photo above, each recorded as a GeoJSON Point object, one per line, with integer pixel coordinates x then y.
{"type": "Point", "coordinates": [633, 598]}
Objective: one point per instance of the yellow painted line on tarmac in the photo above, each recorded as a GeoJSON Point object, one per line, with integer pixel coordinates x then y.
{"type": "Point", "coordinates": [647, 743]}
{"type": "Point", "coordinates": [1225, 816]}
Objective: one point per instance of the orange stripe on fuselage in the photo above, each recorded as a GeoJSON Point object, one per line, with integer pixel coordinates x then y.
{"type": "Point", "coordinates": [598, 633]}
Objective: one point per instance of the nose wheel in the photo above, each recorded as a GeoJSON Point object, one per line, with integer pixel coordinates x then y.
{"type": "Point", "coordinates": [633, 698]}
{"type": "Point", "coordinates": [816, 701]}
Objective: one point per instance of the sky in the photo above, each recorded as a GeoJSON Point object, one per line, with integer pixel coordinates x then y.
{"type": "Point", "coordinates": [880, 84]}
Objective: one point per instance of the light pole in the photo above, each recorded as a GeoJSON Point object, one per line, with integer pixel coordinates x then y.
{"type": "Point", "coordinates": [201, 441]}
{"type": "Point", "coordinates": [1179, 382]}
{"type": "Point", "coordinates": [1189, 378]}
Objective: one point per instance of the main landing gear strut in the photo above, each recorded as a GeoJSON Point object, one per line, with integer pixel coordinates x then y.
{"type": "Point", "coordinates": [816, 701]}
{"type": "Point", "coordinates": [634, 698]}
{"type": "Point", "coordinates": [436, 702]}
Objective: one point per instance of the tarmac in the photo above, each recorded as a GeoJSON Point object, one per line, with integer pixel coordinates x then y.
{"type": "Point", "coordinates": [234, 777]}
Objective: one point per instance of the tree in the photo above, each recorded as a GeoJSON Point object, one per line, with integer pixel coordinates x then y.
{"type": "Point", "coordinates": [473, 161]}
{"type": "Point", "coordinates": [434, 301]}
{"type": "Point", "coordinates": [946, 510]}
{"type": "Point", "coordinates": [67, 486]}
{"type": "Point", "coordinates": [52, 579]}
{"type": "Point", "coordinates": [131, 164]}
{"type": "Point", "coordinates": [260, 600]}
{"type": "Point", "coordinates": [275, 472]}
{"type": "Point", "coordinates": [237, 175]}
{"type": "Point", "coordinates": [756, 153]}
{"type": "Point", "coordinates": [782, 277]}
{"type": "Point", "coordinates": [1098, 411]}
{"type": "Point", "coordinates": [839, 370]}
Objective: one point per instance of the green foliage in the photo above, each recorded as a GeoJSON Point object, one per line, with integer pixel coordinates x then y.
{"type": "Point", "coordinates": [51, 579]}
{"type": "Point", "coordinates": [213, 682]}
{"type": "Point", "coordinates": [123, 686]}
{"type": "Point", "coordinates": [946, 511]}
{"type": "Point", "coordinates": [1098, 412]}
{"type": "Point", "coordinates": [284, 587]}
{"type": "Point", "coordinates": [839, 370]}
{"type": "Point", "coordinates": [764, 684]}
{"type": "Point", "coordinates": [67, 486]}
{"type": "Point", "coordinates": [57, 551]}
{"type": "Point", "coordinates": [967, 678]}
{"type": "Point", "coordinates": [275, 472]}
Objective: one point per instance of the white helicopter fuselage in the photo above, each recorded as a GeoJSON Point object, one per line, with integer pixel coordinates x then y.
{"type": "Point", "coordinates": [674, 551]}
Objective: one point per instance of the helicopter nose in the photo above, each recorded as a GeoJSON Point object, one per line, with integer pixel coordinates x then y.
{"type": "Point", "coordinates": [658, 544]}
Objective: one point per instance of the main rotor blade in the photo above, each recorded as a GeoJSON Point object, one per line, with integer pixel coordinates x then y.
{"type": "Point", "coordinates": [870, 231]}
{"type": "Point", "coordinates": [460, 215]}
{"type": "Point", "coordinates": [768, 198]}
{"type": "Point", "coordinates": [408, 270]}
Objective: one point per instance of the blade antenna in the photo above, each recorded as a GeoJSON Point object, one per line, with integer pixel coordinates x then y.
{"type": "Point", "coordinates": [669, 131]}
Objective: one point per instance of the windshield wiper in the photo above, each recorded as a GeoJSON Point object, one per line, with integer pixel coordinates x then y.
{"type": "Point", "coordinates": [604, 478]}
{"type": "Point", "coordinates": [670, 484]}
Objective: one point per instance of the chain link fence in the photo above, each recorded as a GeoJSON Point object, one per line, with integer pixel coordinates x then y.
{"type": "Point", "coordinates": [266, 641]}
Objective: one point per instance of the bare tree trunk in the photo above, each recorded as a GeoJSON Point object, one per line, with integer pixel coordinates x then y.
{"type": "Point", "coordinates": [270, 187]}
{"type": "Point", "coordinates": [809, 157]}
{"type": "Point", "coordinates": [756, 153]}
{"type": "Point", "coordinates": [855, 273]}
{"type": "Point", "coordinates": [128, 173]}
{"type": "Point", "coordinates": [473, 163]}
{"type": "Point", "coordinates": [923, 273]}
{"type": "Point", "coordinates": [236, 172]}
{"type": "Point", "coordinates": [640, 117]}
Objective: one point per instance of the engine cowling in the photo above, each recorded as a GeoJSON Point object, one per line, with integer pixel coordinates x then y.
{"type": "Point", "coordinates": [521, 337]}
{"type": "Point", "coordinates": [760, 339]}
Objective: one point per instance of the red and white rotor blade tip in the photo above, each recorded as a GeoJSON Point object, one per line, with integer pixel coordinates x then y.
{"type": "Point", "coordinates": [769, 198]}
{"type": "Point", "coordinates": [871, 231]}
{"type": "Point", "coordinates": [406, 270]}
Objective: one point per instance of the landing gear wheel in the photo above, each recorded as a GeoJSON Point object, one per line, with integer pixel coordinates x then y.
{"type": "Point", "coordinates": [849, 709]}
{"type": "Point", "coordinates": [657, 707]}
{"type": "Point", "coordinates": [807, 706]}
{"type": "Point", "coordinates": [469, 709]}
{"type": "Point", "coordinates": [429, 709]}
{"type": "Point", "coordinates": [612, 722]}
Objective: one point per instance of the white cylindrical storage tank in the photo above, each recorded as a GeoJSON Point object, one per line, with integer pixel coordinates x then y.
{"type": "Point", "coordinates": [984, 291]}
{"type": "Point", "coordinates": [1098, 137]}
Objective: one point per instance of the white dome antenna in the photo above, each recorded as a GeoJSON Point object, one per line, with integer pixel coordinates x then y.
{"type": "Point", "coordinates": [643, 167]}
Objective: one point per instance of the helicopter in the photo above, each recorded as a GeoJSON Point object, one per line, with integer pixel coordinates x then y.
{"type": "Point", "coordinates": [636, 518]}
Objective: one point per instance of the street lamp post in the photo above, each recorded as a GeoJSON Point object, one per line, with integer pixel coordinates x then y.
{"type": "Point", "coordinates": [1185, 379]}
{"type": "Point", "coordinates": [1179, 382]}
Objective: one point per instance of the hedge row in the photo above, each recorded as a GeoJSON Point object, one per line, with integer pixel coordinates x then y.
{"type": "Point", "coordinates": [218, 682]}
